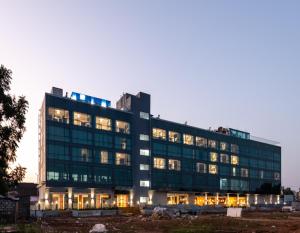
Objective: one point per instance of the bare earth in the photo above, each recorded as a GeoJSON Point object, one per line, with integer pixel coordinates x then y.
{"type": "Point", "coordinates": [250, 222]}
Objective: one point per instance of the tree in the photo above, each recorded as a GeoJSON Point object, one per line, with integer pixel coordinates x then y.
{"type": "Point", "coordinates": [12, 127]}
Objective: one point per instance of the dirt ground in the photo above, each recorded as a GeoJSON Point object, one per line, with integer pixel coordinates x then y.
{"type": "Point", "coordinates": [254, 222]}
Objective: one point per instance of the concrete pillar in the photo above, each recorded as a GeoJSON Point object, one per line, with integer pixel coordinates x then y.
{"type": "Point", "coordinates": [227, 200]}
{"type": "Point", "coordinates": [255, 199]}
{"type": "Point", "coordinates": [191, 198]}
{"type": "Point", "coordinates": [205, 199]}
{"type": "Point", "coordinates": [217, 198]}
{"type": "Point", "coordinates": [47, 199]}
{"type": "Point", "coordinates": [131, 198]}
{"type": "Point", "coordinates": [238, 199]}
{"type": "Point", "coordinates": [92, 198]}
{"type": "Point", "coordinates": [70, 198]}
{"type": "Point", "coordinates": [247, 200]}
{"type": "Point", "coordinates": [278, 199]}
{"type": "Point", "coordinates": [271, 199]}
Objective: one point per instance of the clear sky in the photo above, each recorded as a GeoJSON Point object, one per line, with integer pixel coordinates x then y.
{"type": "Point", "coordinates": [210, 63]}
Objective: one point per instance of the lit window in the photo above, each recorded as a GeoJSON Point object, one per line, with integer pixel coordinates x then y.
{"type": "Point", "coordinates": [144, 115]}
{"type": "Point", "coordinates": [224, 158]}
{"type": "Point", "coordinates": [212, 144]}
{"type": "Point", "coordinates": [122, 159]}
{"type": "Point", "coordinates": [213, 169]}
{"type": "Point", "coordinates": [159, 163]}
{"type": "Point", "coordinates": [159, 133]}
{"type": "Point", "coordinates": [144, 183]}
{"type": "Point", "coordinates": [122, 127]}
{"type": "Point", "coordinates": [223, 146]}
{"type": "Point", "coordinates": [261, 174]}
{"type": "Point", "coordinates": [144, 152]}
{"type": "Point", "coordinates": [143, 199]}
{"type": "Point", "coordinates": [85, 155]}
{"type": "Point", "coordinates": [234, 171]}
{"type": "Point", "coordinates": [82, 119]}
{"type": "Point", "coordinates": [213, 156]}
{"type": "Point", "coordinates": [144, 137]}
{"type": "Point", "coordinates": [276, 176]}
{"type": "Point", "coordinates": [174, 137]}
{"type": "Point", "coordinates": [188, 139]}
{"type": "Point", "coordinates": [244, 172]}
{"type": "Point", "coordinates": [201, 167]}
{"type": "Point", "coordinates": [174, 164]}
{"type": "Point", "coordinates": [234, 160]}
{"type": "Point", "coordinates": [104, 157]}
{"type": "Point", "coordinates": [201, 142]}
{"type": "Point", "coordinates": [144, 167]}
{"type": "Point", "coordinates": [59, 115]}
{"type": "Point", "coordinates": [234, 148]}
{"type": "Point", "coordinates": [103, 123]}
{"type": "Point", "coordinates": [223, 184]}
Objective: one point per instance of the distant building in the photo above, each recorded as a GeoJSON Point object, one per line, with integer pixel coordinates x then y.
{"type": "Point", "coordinates": [8, 209]}
{"type": "Point", "coordinates": [92, 155]}
{"type": "Point", "coordinates": [27, 193]}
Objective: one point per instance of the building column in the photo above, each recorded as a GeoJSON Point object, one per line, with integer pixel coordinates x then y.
{"type": "Point", "coordinates": [70, 198]}
{"type": "Point", "coordinates": [92, 198]}
{"type": "Point", "coordinates": [217, 198]}
{"type": "Point", "coordinates": [238, 199]}
{"type": "Point", "coordinates": [247, 200]}
{"type": "Point", "coordinates": [255, 199]}
{"type": "Point", "coordinates": [278, 199]}
{"type": "Point", "coordinates": [271, 199]}
{"type": "Point", "coordinates": [205, 199]}
{"type": "Point", "coordinates": [47, 199]}
{"type": "Point", "coordinates": [227, 199]}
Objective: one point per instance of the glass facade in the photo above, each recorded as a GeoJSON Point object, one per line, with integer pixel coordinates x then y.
{"type": "Point", "coordinates": [94, 148]}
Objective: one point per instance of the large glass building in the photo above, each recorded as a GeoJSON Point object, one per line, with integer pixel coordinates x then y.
{"type": "Point", "coordinates": [93, 156]}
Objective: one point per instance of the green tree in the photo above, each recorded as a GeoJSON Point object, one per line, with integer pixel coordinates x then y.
{"type": "Point", "coordinates": [12, 127]}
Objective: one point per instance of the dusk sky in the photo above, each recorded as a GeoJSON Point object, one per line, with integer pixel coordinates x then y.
{"type": "Point", "coordinates": [211, 63]}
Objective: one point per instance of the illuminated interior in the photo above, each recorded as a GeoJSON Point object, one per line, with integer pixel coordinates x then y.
{"type": "Point", "coordinates": [122, 200]}
{"type": "Point", "coordinates": [59, 115]}
{"type": "Point", "coordinates": [174, 164]}
{"type": "Point", "coordinates": [213, 156]}
{"type": "Point", "coordinates": [200, 141]}
{"type": "Point", "coordinates": [58, 201]}
{"type": "Point", "coordinates": [234, 160]}
{"type": "Point", "coordinates": [81, 201]}
{"type": "Point", "coordinates": [174, 137]}
{"type": "Point", "coordinates": [82, 119]}
{"type": "Point", "coordinates": [122, 159]}
{"type": "Point", "coordinates": [159, 133]}
{"type": "Point", "coordinates": [213, 169]}
{"type": "Point", "coordinates": [188, 139]}
{"type": "Point", "coordinates": [174, 199]}
{"type": "Point", "coordinates": [103, 123]}
{"type": "Point", "coordinates": [122, 127]}
{"type": "Point", "coordinates": [102, 200]}
{"type": "Point", "coordinates": [159, 163]}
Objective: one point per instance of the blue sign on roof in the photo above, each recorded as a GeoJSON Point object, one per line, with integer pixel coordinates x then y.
{"type": "Point", "coordinates": [90, 99]}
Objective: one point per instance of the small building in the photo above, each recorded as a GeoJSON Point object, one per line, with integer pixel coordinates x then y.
{"type": "Point", "coordinates": [8, 209]}
{"type": "Point", "coordinates": [28, 196]}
